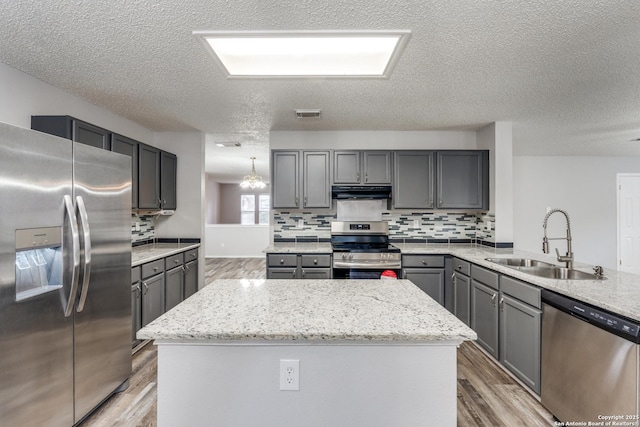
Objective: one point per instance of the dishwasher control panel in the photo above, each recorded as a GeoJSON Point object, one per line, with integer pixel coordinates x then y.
{"type": "Point", "coordinates": [616, 324]}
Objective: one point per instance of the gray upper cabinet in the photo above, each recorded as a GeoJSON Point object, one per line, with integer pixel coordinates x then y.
{"type": "Point", "coordinates": [123, 145]}
{"type": "Point", "coordinates": [346, 167]}
{"type": "Point", "coordinates": [316, 187]}
{"type": "Point", "coordinates": [361, 167]}
{"type": "Point", "coordinates": [377, 167]}
{"type": "Point", "coordinates": [73, 129]}
{"type": "Point", "coordinates": [148, 177]}
{"type": "Point", "coordinates": [285, 179]}
{"type": "Point", "coordinates": [168, 180]}
{"type": "Point", "coordinates": [462, 180]}
{"type": "Point", "coordinates": [413, 184]}
{"type": "Point", "coordinates": [289, 176]}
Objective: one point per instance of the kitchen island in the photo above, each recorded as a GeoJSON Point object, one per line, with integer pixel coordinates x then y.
{"type": "Point", "coordinates": [368, 352]}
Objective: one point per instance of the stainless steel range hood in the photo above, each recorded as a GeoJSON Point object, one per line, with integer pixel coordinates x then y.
{"type": "Point", "coordinates": [362, 192]}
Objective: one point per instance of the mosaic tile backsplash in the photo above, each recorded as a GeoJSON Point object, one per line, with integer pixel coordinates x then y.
{"type": "Point", "coordinates": [147, 228]}
{"type": "Point", "coordinates": [434, 226]}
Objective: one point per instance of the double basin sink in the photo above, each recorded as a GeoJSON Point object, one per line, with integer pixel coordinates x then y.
{"type": "Point", "coordinates": [544, 269]}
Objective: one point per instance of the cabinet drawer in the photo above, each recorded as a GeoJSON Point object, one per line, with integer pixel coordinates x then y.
{"type": "Point", "coordinates": [173, 261]}
{"type": "Point", "coordinates": [281, 260]}
{"type": "Point", "coordinates": [423, 261]}
{"type": "Point", "coordinates": [191, 255]}
{"type": "Point", "coordinates": [135, 274]}
{"type": "Point", "coordinates": [316, 260]}
{"type": "Point", "coordinates": [523, 291]}
{"type": "Point", "coordinates": [152, 268]}
{"type": "Point", "coordinates": [485, 276]}
{"type": "Point", "coordinates": [461, 266]}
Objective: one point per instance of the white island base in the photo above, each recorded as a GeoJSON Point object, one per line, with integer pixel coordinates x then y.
{"type": "Point", "coordinates": [391, 384]}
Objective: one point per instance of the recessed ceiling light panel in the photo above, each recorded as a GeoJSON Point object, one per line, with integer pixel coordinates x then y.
{"type": "Point", "coordinates": [283, 54]}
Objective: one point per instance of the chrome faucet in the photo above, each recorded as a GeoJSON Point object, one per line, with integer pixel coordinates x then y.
{"type": "Point", "coordinates": [568, 258]}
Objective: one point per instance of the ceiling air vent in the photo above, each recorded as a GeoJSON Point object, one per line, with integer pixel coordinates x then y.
{"type": "Point", "coordinates": [307, 114]}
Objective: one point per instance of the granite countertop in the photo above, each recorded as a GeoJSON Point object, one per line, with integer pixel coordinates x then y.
{"type": "Point", "coordinates": [618, 293]}
{"type": "Point", "coordinates": [151, 252]}
{"type": "Point", "coordinates": [309, 310]}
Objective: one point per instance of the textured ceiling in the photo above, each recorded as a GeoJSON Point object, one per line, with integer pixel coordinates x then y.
{"type": "Point", "coordinates": [566, 73]}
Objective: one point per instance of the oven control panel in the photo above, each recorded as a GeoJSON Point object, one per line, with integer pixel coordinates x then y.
{"type": "Point", "coordinates": [359, 226]}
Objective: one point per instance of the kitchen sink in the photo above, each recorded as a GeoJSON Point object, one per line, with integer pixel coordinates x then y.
{"type": "Point", "coordinates": [544, 269]}
{"type": "Point", "coordinates": [520, 262]}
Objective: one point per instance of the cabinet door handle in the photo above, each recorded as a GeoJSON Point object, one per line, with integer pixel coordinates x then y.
{"type": "Point", "coordinates": [423, 262]}
{"type": "Point", "coordinates": [305, 200]}
{"type": "Point", "coordinates": [430, 203]}
{"type": "Point", "coordinates": [358, 176]}
{"type": "Point", "coordinates": [183, 269]}
{"type": "Point", "coordinates": [176, 261]}
{"type": "Point", "coordinates": [303, 274]}
{"type": "Point", "coordinates": [293, 274]}
{"type": "Point", "coordinates": [281, 261]}
{"type": "Point", "coordinates": [502, 304]}
{"type": "Point", "coordinates": [315, 261]}
{"type": "Point", "coordinates": [137, 289]}
{"type": "Point", "coordinates": [453, 277]}
{"type": "Point", "coordinates": [159, 201]}
{"type": "Point", "coordinates": [296, 201]}
{"type": "Point", "coordinates": [155, 268]}
{"type": "Point", "coordinates": [366, 177]}
{"type": "Point", "coordinates": [146, 288]}
{"type": "Point", "coordinates": [493, 299]}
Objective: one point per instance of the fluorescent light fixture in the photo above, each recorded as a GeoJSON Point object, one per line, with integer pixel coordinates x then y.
{"type": "Point", "coordinates": [300, 54]}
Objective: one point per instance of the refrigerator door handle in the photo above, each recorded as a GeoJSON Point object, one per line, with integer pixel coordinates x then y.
{"type": "Point", "coordinates": [86, 236]}
{"type": "Point", "coordinates": [75, 251]}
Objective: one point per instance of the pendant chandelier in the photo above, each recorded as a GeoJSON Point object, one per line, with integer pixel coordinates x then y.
{"type": "Point", "coordinates": [253, 180]}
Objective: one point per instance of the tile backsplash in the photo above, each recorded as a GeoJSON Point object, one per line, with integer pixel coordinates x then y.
{"type": "Point", "coordinates": [147, 228]}
{"type": "Point", "coordinates": [432, 226]}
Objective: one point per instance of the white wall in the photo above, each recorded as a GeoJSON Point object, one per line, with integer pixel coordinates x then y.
{"type": "Point", "coordinates": [372, 140]}
{"type": "Point", "coordinates": [23, 96]}
{"type": "Point", "coordinates": [232, 241]}
{"type": "Point", "coordinates": [583, 186]}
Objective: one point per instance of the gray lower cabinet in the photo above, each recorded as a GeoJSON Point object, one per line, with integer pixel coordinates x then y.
{"type": "Point", "coordinates": [484, 307]}
{"type": "Point", "coordinates": [462, 179]}
{"type": "Point", "coordinates": [484, 316]}
{"type": "Point", "coordinates": [461, 284]}
{"type": "Point", "coordinates": [426, 272]}
{"type": "Point", "coordinates": [174, 283]}
{"type": "Point", "coordinates": [413, 179]}
{"type": "Point", "coordinates": [299, 266]}
{"type": "Point", "coordinates": [190, 278]}
{"type": "Point", "coordinates": [152, 298]}
{"type": "Point", "coordinates": [520, 330]}
{"type": "Point", "coordinates": [136, 314]}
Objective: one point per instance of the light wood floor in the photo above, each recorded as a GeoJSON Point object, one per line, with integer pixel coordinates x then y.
{"type": "Point", "coordinates": [487, 396]}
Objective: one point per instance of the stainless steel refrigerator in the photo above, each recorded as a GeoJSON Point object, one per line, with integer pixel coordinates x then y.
{"type": "Point", "coordinates": [65, 273]}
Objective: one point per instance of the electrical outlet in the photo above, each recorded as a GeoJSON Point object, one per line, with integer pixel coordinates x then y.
{"type": "Point", "coordinates": [489, 225]}
{"type": "Point", "coordinates": [300, 223]}
{"type": "Point", "coordinates": [290, 374]}
{"type": "Point", "coordinates": [416, 223]}
{"type": "Point", "coordinates": [137, 225]}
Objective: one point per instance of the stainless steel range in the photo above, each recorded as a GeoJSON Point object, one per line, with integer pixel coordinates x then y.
{"type": "Point", "coordinates": [361, 250]}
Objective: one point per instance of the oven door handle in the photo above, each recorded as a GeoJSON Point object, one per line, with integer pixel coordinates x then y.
{"type": "Point", "coordinates": [368, 265]}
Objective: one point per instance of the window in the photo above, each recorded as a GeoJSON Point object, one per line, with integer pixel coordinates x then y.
{"type": "Point", "coordinates": [250, 211]}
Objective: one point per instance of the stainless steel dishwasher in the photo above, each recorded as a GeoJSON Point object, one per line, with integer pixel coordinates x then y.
{"type": "Point", "coordinates": [590, 362]}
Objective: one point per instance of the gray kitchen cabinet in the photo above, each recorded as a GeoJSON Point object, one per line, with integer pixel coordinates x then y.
{"type": "Point", "coordinates": [129, 147]}
{"type": "Point", "coordinates": [484, 307]}
{"type": "Point", "coordinates": [461, 283]}
{"type": "Point", "coordinates": [174, 281]}
{"type": "Point", "coordinates": [148, 177]}
{"type": "Point", "coordinates": [299, 266]}
{"type": "Point", "coordinates": [413, 183]}
{"type": "Point", "coordinates": [346, 167]}
{"type": "Point", "coordinates": [157, 173]}
{"type": "Point", "coordinates": [520, 330]}
{"type": "Point", "coordinates": [316, 186]}
{"type": "Point", "coordinates": [136, 314]}
{"type": "Point", "coordinates": [73, 129]}
{"type": "Point", "coordinates": [285, 179]}
{"type": "Point", "coordinates": [293, 171]}
{"type": "Point", "coordinates": [462, 179]}
{"type": "Point", "coordinates": [426, 272]}
{"type": "Point", "coordinates": [362, 167]}
{"type": "Point", "coordinates": [168, 180]}
{"type": "Point", "coordinates": [190, 278]}
{"type": "Point", "coordinates": [152, 298]}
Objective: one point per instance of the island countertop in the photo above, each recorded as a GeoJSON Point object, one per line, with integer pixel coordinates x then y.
{"type": "Point", "coordinates": [309, 311]}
